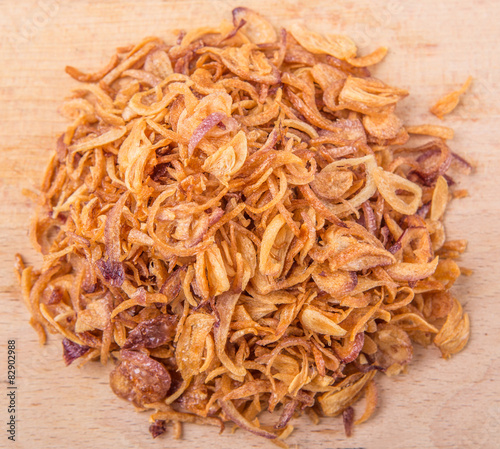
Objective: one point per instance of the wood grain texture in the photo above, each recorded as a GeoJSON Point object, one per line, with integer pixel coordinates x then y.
{"type": "Point", "coordinates": [434, 46]}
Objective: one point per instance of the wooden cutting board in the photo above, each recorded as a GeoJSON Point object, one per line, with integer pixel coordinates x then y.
{"type": "Point", "coordinates": [434, 46]}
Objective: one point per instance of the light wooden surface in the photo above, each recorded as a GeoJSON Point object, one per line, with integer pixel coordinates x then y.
{"type": "Point", "coordinates": [434, 46]}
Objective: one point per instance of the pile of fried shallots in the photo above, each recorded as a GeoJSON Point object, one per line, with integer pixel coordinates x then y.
{"type": "Point", "coordinates": [240, 221]}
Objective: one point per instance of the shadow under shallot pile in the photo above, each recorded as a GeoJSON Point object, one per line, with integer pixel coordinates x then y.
{"type": "Point", "coordinates": [240, 222]}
